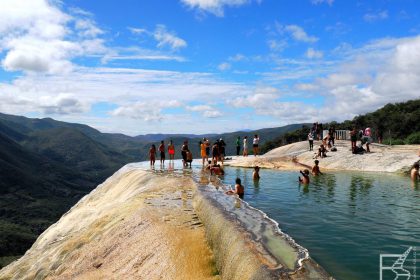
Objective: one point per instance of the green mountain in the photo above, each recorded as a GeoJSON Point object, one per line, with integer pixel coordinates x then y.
{"type": "Point", "coordinates": [34, 192]}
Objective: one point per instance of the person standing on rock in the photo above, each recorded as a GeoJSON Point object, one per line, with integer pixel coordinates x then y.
{"type": "Point", "coordinates": [353, 139]}
{"type": "Point", "coordinates": [152, 155]}
{"type": "Point", "coordinates": [184, 151]}
{"type": "Point", "coordinates": [238, 145]}
{"type": "Point", "coordinates": [162, 152]}
{"type": "Point", "coordinates": [171, 150]}
{"type": "Point", "coordinates": [203, 152]}
{"type": "Point", "coordinates": [311, 141]}
{"type": "Point", "coordinates": [255, 143]}
{"type": "Point", "coordinates": [245, 147]}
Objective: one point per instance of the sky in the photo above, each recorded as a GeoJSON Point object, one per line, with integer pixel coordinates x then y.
{"type": "Point", "coordinates": [206, 66]}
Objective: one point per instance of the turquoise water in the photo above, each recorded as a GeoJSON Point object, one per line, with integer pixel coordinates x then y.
{"type": "Point", "coordinates": [345, 220]}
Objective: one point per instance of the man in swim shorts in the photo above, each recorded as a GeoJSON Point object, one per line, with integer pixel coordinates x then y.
{"type": "Point", "coordinates": [162, 152]}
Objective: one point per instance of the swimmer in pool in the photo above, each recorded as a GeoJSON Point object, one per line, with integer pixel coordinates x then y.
{"type": "Point", "coordinates": [256, 174]}
{"type": "Point", "coordinates": [239, 189]}
{"type": "Point", "coordinates": [315, 169]}
{"type": "Point", "coordinates": [305, 177]}
{"type": "Point", "coordinates": [415, 172]}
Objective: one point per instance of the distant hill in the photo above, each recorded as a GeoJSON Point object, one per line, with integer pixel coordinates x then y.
{"type": "Point", "coordinates": [34, 192]}
{"type": "Point", "coordinates": [48, 165]}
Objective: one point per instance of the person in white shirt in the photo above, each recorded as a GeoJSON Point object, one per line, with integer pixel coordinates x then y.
{"type": "Point", "coordinates": [255, 143]}
{"type": "Point", "coordinates": [245, 148]}
{"type": "Point", "coordinates": [311, 141]}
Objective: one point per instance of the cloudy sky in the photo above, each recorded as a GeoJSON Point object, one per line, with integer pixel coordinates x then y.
{"type": "Point", "coordinates": [200, 66]}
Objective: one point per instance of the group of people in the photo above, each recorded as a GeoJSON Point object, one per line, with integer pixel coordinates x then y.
{"type": "Point", "coordinates": [305, 173]}
{"type": "Point", "coordinates": [364, 136]}
{"type": "Point", "coordinates": [187, 156]}
{"type": "Point", "coordinates": [213, 153]}
{"type": "Point", "coordinates": [328, 141]}
{"type": "Point", "coordinates": [255, 145]}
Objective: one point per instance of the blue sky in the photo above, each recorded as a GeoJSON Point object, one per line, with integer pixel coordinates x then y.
{"type": "Point", "coordinates": [201, 66]}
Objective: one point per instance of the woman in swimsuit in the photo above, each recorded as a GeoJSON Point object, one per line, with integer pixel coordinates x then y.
{"type": "Point", "coordinates": [255, 143]}
{"type": "Point", "coordinates": [171, 150]}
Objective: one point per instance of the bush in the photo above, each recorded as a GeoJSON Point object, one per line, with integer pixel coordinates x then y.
{"type": "Point", "coordinates": [397, 142]}
{"type": "Point", "coordinates": [413, 138]}
{"type": "Point", "coordinates": [392, 141]}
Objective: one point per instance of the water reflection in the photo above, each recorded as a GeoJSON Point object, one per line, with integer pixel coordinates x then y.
{"type": "Point", "coordinates": [256, 186]}
{"type": "Point", "coordinates": [359, 184]}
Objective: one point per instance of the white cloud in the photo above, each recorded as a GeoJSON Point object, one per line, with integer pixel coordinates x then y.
{"type": "Point", "coordinates": [166, 38]}
{"type": "Point", "coordinates": [224, 66]}
{"type": "Point", "coordinates": [312, 53]}
{"type": "Point", "coordinates": [380, 72]}
{"type": "Point", "coordinates": [215, 7]}
{"type": "Point", "coordinates": [277, 45]}
{"type": "Point", "coordinates": [316, 2]}
{"type": "Point", "coordinates": [137, 31]}
{"type": "Point", "coordinates": [206, 110]}
{"type": "Point", "coordinates": [37, 37]}
{"type": "Point", "coordinates": [212, 114]}
{"type": "Point", "coordinates": [371, 17]}
{"type": "Point", "coordinates": [265, 101]}
{"type": "Point", "coordinates": [237, 57]}
{"type": "Point", "coordinates": [145, 110]}
{"type": "Point", "coordinates": [136, 96]}
{"type": "Point", "coordinates": [163, 37]}
{"type": "Point", "coordinates": [136, 53]}
{"type": "Point", "coordinates": [306, 87]}
{"type": "Point", "coordinates": [299, 34]}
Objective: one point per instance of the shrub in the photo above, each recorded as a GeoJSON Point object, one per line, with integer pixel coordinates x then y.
{"type": "Point", "coordinates": [413, 138]}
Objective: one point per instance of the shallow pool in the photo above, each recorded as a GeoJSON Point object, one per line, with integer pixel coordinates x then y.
{"type": "Point", "coordinates": [344, 219]}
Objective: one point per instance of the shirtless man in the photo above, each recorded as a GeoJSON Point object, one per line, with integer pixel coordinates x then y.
{"type": "Point", "coordinates": [315, 169]}
{"type": "Point", "coordinates": [415, 172]}
{"type": "Point", "coordinates": [305, 177]}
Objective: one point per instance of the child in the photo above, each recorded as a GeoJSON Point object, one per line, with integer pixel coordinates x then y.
{"type": "Point", "coordinates": [239, 189]}
{"type": "Point", "coordinates": [315, 169]}
{"type": "Point", "coordinates": [305, 179]}
{"type": "Point", "coordinates": [189, 158]}
{"type": "Point", "coordinates": [256, 174]}
{"type": "Point", "coordinates": [415, 172]}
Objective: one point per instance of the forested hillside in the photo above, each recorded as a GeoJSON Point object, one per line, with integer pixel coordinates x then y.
{"type": "Point", "coordinates": [397, 123]}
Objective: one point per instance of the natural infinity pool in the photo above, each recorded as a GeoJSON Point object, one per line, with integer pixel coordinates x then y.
{"type": "Point", "coordinates": [344, 219]}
